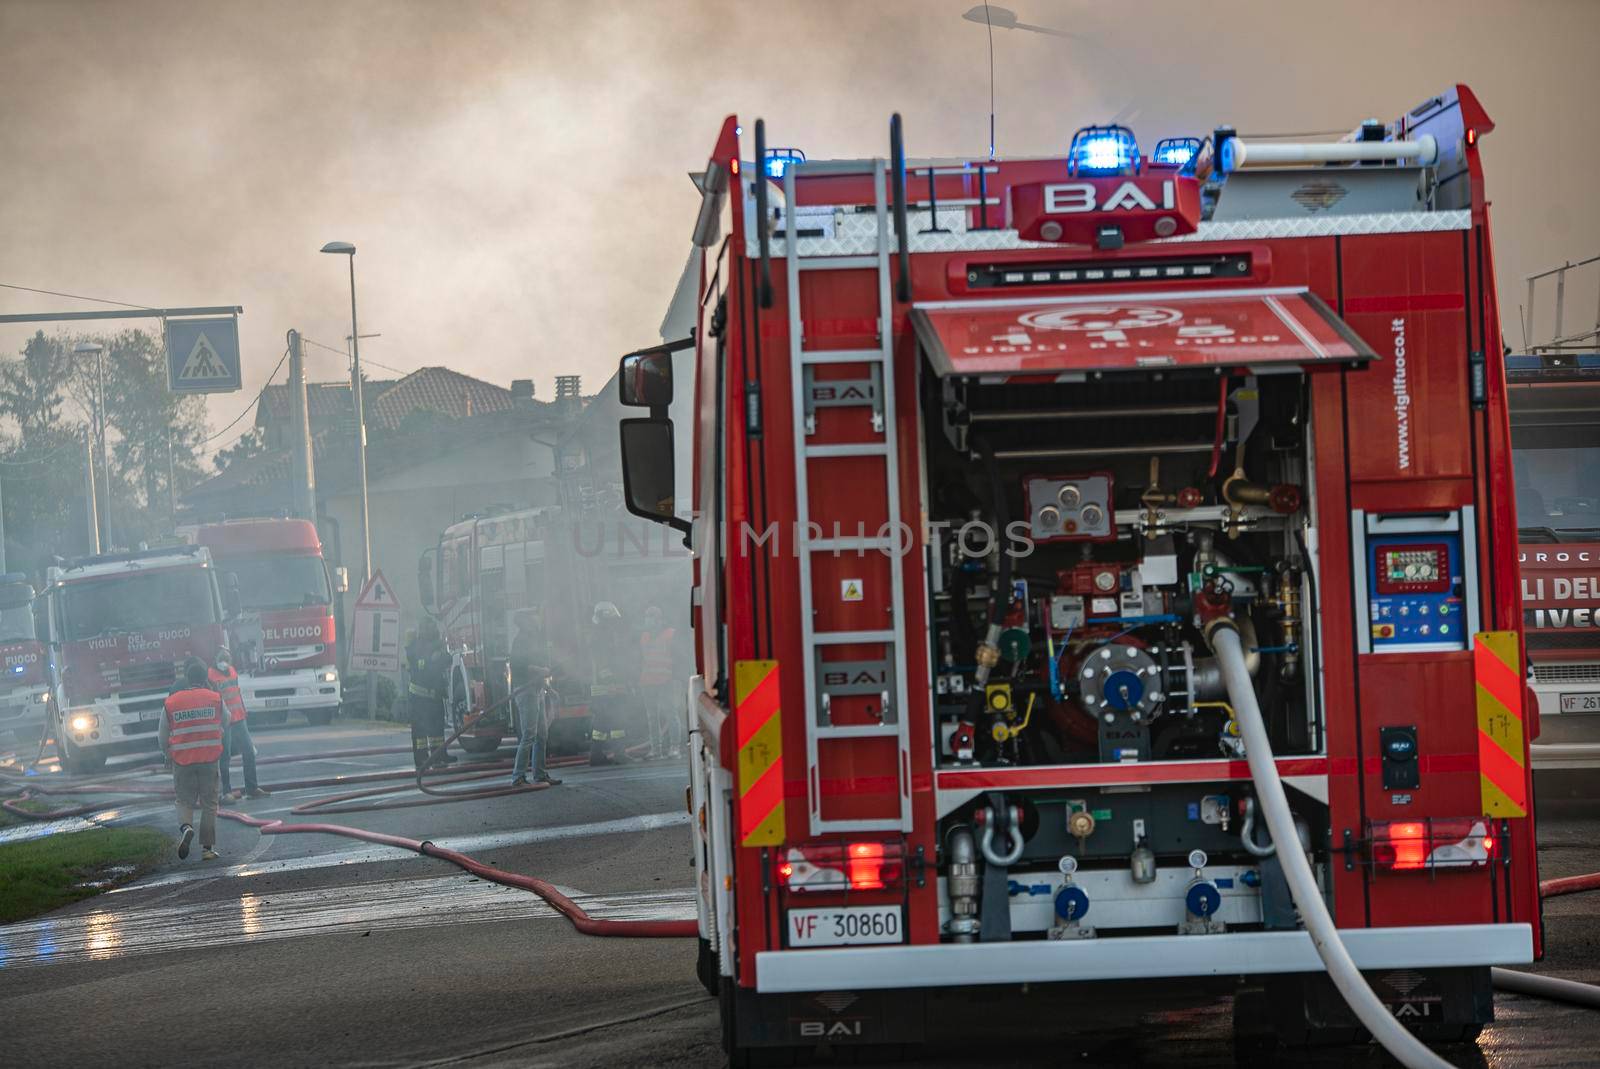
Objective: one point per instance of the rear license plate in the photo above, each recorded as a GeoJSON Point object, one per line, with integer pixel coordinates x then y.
{"type": "Point", "coordinates": [276, 703]}
{"type": "Point", "coordinates": [1581, 703]}
{"type": "Point", "coordinates": [845, 926]}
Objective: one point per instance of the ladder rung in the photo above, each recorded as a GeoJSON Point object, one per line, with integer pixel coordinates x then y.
{"type": "Point", "coordinates": [868, 261]}
{"type": "Point", "coordinates": [840, 356]}
{"type": "Point", "coordinates": [849, 449]}
{"type": "Point", "coordinates": [825, 826]}
{"type": "Point", "coordinates": [857, 731]}
{"type": "Point", "coordinates": [817, 545]}
{"type": "Point", "coordinates": [842, 638]}
{"type": "Point", "coordinates": [836, 168]}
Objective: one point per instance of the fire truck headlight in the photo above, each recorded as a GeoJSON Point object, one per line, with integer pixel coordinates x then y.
{"type": "Point", "coordinates": [329, 676]}
{"type": "Point", "coordinates": [83, 722]}
{"type": "Point", "coordinates": [42, 697]}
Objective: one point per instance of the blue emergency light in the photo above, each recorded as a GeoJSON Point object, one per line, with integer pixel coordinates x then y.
{"type": "Point", "coordinates": [1103, 150]}
{"type": "Point", "coordinates": [1180, 152]}
{"type": "Point", "coordinates": [779, 160]}
{"type": "Point", "coordinates": [18, 669]}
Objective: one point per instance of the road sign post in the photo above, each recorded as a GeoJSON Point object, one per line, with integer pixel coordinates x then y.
{"type": "Point", "coordinates": [375, 634]}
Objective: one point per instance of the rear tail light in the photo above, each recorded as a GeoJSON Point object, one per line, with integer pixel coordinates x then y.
{"type": "Point", "coordinates": [840, 867]}
{"type": "Point", "coordinates": [1414, 845]}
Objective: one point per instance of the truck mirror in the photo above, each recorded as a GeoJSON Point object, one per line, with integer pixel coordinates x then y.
{"type": "Point", "coordinates": [648, 476]}
{"type": "Point", "coordinates": [230, 598]}
{"type": "Point", "coordinates": [341, 580]}
{"type": "Point", "coordinates": [230, 580]}
{"type": "Point", "coordinates": [426, 566]}
{"type": "Point", "coordinates": [644, 379]}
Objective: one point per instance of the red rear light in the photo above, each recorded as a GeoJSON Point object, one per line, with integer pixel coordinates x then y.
{"type": "Point", "coordinates": [1413, 845]}
{"type": "Point", "coordinates": [838, 868]}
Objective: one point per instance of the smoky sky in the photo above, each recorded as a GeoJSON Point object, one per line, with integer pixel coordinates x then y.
{"type": "Point", "coordinates": [514, 174]}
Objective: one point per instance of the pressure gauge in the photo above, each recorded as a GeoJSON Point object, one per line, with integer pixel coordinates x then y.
{"type": "Point", "coordinates": [1068, 864]}
{"type": "Point", "coordinates": [1105, 581]}
{"type": "Point", "coordinates": [1197, 859]}
{"type": "Point", "coordinates": [1069, 496]}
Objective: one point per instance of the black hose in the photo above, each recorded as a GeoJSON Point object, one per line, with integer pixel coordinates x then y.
{"type": "Point", "coordinates": [1000, 596]}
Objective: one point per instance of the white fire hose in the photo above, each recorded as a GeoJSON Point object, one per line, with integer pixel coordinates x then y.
{"type": "Point", "coordinates": [1390, 1033]}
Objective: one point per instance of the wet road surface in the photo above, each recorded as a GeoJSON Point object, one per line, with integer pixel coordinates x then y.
{"type": "Point", "coordinates": [314, 950]}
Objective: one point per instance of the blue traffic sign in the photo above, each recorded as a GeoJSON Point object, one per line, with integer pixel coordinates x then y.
{"type": "Point", "coordinates": [203, 355]}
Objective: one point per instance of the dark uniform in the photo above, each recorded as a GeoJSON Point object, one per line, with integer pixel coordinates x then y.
{"type": "Point", "coordinates": [428, 668]}
{"type": "Point", "coordinates": [616, 668]}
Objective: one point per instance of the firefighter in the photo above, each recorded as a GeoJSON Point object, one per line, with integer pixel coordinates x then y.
{"type": "Point", "coordinates": [612, 656]}
{"type": "Point", "coordinates": [529, 706]}
{"type": "Point", "coordinates": [236, 738]}
{"type": "Point", "coordinates": [657, 673]}
{"type": "Point", "coordinates": [190, 737]}
{"type": "Point", "coordinates": [427, 667]}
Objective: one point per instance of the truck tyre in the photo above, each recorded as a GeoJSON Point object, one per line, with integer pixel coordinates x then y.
{"type": "Point", "coordinates": [320, 718]}
{"type": "Point", "coordinates": [740, 1057]}
{"type": "Point", "coordinates": [480, 744]}
{"type": "Point", "coordinates": [705, 968]}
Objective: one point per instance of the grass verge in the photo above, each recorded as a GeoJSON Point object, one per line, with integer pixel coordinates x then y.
{"type": "Point", "coordinates": [44, 874]}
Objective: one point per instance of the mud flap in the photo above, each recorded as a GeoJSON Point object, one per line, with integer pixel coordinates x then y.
{"type": "Point", "coordinates": [843, 1018]}
{"type": "Point", "coordinates": [1439, 1005]}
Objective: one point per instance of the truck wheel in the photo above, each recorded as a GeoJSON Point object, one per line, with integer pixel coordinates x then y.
{"type": "Point", "coordinates": [740, 1057]}
{"type": "Point", "coordinates": [705, 968]}
{"type": "Point", "coordinates": [320, 718]}
{"type": "Point", "coordinates": [480, 744]}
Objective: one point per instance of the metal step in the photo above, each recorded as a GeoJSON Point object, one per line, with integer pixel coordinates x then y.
{"type": "Point", "coordinates": [849, 449]}
{"type": "Point", "coordinates": [866, 261]}
{"type": "Point", "coordinates": [843, 638]}
{"type": "Point", "coordinates": [852, 545]}
{"type": "Point", "coordinates": [847, 356]}
{"type": "Point", "coordinates": [858, 731]}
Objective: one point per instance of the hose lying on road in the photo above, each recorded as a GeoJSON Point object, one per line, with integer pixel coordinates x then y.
{"type": "Point", "coordinates": [1550, 987]}
{"type": "Point", "coordinates": [1390, 1033]}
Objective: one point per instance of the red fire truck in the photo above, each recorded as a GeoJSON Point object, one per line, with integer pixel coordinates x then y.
{"type": "Point", "coordinates": [25, 689]}
{"type": "Point", "coordinates": [121, 625]}
{"type": "Point", "coordinates": [283, 581]}
{"type": "Point", "coordinates": [545, 568]}
{"type": "Point", "coordinates": [1554, 390]}
{"type": "Point", "coordinates": [1127, 506]}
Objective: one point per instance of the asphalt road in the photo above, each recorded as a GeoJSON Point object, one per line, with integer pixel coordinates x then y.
{"type": "Point", "coordinates": [313, 950]}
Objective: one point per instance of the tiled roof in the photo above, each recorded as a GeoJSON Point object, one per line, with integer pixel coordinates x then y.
{"type": "Point", "coordinates": [439, 389]}
{"type": "Point", "coordinates": [324, 400]}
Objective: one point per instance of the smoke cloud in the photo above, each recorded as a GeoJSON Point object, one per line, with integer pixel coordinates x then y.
{"type": "Point", "coordinates": [514, 173]}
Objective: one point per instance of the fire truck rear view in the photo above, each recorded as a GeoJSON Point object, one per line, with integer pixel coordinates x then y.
{"type": "Point", "coordinates": [1105, 574]}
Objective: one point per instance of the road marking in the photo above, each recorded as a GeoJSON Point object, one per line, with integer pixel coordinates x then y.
{"type": "Point", "coordinates": [389, 905]}
{"type": "Point", "coordinates": [465, 843]}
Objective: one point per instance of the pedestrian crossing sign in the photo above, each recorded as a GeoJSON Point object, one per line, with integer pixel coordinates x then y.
{"type": "Point", "coordinates": [203, 355]}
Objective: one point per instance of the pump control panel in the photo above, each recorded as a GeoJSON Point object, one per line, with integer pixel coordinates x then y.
{"type": "Point", "coordinates": [1415, 592]}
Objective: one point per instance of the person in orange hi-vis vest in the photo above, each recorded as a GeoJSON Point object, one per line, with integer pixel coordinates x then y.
{"type": "Point", "coordinates": [191, 738]}
{"type": "Point", "coordinates": [658, 683]}
{"type": "Point", "coordinates": [236, 738]}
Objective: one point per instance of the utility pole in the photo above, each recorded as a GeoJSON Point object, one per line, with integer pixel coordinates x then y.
{"type": "Point", "coordinates": [302, 471]}
{"type": "Point", "coordinates": [89, 509]}
{"type": "Point", "coordinates": [95, 349]}
{"type": "Point", "coordinates": [2, 531]}
{"type": "Point", "coordinates": [172, 485]}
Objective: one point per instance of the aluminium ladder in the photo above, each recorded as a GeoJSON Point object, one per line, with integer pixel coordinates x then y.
{"type": "Point", "coordinates": [880, 362]}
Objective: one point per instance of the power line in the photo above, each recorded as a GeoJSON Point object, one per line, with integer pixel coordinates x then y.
{"type": "Point", "coordinates": [249, 407]}
{"type": "Point", "coordinates": [75, 296]}
{"type": "Point", "coordinates": [346, 354]}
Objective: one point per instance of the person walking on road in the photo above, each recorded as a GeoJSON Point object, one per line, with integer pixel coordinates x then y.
{"type": "Point", "coordinates": [190, 737]}
{"type": "Point", "coordinates": [428, 669]}
{"type": "Point", "coordinates": [531, 694]}
{"type": "Point", "coordinates": [657, 673]}
{"type": "Point", "coordinates": [236, 738]}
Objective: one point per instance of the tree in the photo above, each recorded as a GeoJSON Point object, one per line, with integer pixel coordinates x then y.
{"type": "Point", "coordinates": [31, 386]}
{"type": "Point", "coordinates": [252, 444]}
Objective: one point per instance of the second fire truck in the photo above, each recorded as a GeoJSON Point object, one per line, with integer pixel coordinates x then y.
{"type": "Point", "coordinates": [1106, 577]}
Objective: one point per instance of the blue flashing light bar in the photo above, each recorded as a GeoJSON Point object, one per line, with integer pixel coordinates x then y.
{"type": "Point", "coordinates": [779, 160]}
{"type": "Point", "coordinates": [1180, 152]}
{"type": "Point", "coordinates": [1552, 362]}
{"type": "Point", "coordinates": [1103, 150]}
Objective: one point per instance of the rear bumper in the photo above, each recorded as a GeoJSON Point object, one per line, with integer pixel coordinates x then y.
{"type": "Point", "coordinates": [298, 690]}
{"type": "Point", "coordinates": [1134, 958]}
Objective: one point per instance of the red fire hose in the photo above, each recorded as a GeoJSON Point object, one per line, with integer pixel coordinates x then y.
{"type": "Point", "coordinates": [561, 903]}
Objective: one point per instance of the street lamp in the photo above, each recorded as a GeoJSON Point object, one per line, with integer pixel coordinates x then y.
{"type": "Point", "coordinates": [86, 348]}
{"type": "Point", "coordinates": [344, 248]}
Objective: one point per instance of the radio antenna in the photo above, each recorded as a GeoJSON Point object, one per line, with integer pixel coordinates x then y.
{"type": "Point", "coordinates": [988, 23]}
